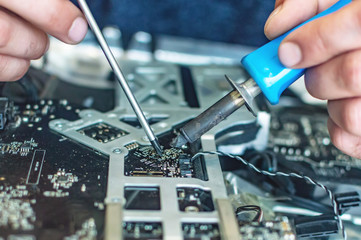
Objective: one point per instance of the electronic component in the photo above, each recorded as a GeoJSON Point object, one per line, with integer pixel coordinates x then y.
{"type": "Point", "coordinates": [142, 230]}
{"type": "Point", "coordinates": [102, 132]}
{"type": "Point", "coordinates": [62, 179]}
{"type": "Point", "coordinates": [194, 200]}
{"type": "Point", "coordinates": [142, 161]}
{"type": "Point", "coordinates": [317, 226]}
{"type": "Point", "coordinates": [299, 136]}
{"type": "Point", "coordinates": [347, 200]}
{"type": "Point", "coordinates": [16, 210]}
{"type": "Point", "coordinates": [200, 231]}
{"type": "Point", "coordinates": [21, 148]}
{"type": "Point", "coordinates": [279, 229]}
{"type": "Point", "coordinates": [131, 146]}
{"type": "Point", "coordinates": [145, 162]}
{"type": "Point", "coordinates": [150, 164]}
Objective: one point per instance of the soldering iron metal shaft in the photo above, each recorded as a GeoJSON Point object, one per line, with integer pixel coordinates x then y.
{"type": "Point", "coordinates": [120, 76]}
{"type": "Point", "coordinates": [209, 118]}
{"type": "Point", "coordinates": [242, 94]}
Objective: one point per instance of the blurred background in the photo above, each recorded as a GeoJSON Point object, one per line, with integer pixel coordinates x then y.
{"type": "Point", "coordinates": [231, 21]}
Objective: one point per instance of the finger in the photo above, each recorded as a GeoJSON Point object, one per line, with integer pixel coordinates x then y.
{"type": "Point", "coordinates": [59, 18]}
{"type": "Point", "coordinates": [290, 13]}
{"type": "Point", "coordinates": [12, 69]}
{"type": "Point", "coordinates": [346, 142]}
{"type": "Point", "coordinates": [337, 78]}
{"type": "Point", "coordinates": [21, 39]}
{"type": "Point", "coordinates": [346, 113]}
{"type": "Point", "coordinates": [323, 38]}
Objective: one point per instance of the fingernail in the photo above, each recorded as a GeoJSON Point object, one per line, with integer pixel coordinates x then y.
{"type": "Point", "coordinates": [78, 30]}
{"type": "Point", "coordinates": [290, 54]}
{"type": "Point", "coordinates": [276, 11]}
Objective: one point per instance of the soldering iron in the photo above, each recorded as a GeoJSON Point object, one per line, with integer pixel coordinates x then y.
{"type": "Point", "coordinates": [268, 75]}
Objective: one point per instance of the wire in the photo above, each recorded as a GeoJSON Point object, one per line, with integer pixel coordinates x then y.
{"type": "Point", "coordinates": [273, 174]}
{"type": "Point", "coordinates": [253, 208]}
{"type": "Point", "coordinates": [266, 156]}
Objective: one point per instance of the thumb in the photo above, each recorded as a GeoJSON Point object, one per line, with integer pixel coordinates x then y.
{"type": "Point", "coordinates": [324, 38]}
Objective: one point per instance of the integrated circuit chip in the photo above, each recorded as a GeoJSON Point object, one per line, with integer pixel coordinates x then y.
{"type": "Point", "coordinates": [144, 161]}
{"type": "Point", "coordinates": [103, 132]}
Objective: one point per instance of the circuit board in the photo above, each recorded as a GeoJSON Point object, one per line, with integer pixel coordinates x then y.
{"type": "Point", "coordinates": [102, 132]}
{"type": "Point", "coordinates": [176, 163]}
{"type": "Point", "coordinates": [194, 200]}
{"type": "Point", "coordinates": [142, 231]}
{"type": "Point", "coordinates": [299, 137]}
{"type": "Point", "coordinates": [200, 231]}
{"type": "Point", "coordinates": [53, 183]}
{"type": "Point", "coordinates": [279, 229]}
{"type": "Point", "coordinates": [50, 186]}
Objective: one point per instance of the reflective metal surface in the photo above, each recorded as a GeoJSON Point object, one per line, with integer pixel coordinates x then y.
{"type": "Point", "coordinates": [172, 114]}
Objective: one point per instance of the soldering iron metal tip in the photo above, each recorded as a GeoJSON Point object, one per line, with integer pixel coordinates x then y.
{"type": "Point", "coordinates": [157, 147]}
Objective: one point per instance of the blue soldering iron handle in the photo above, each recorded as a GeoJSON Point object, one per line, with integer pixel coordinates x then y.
{"type": "Point", "coordinates": [266, 69]}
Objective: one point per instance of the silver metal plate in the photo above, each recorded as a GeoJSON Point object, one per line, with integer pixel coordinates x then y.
{"type": "Point", "coordinates": [153, 77]}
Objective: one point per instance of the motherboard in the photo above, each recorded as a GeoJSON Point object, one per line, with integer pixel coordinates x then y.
{"type": "Point", "coordinates": [300, 138]}
{"type": "Point", "coordinates": [50, 187]}
{"type": "Point", "coordinates": [74, 169]}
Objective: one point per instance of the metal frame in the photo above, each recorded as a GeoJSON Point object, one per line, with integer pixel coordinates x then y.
{"type": "Point", "coordinates": [169, 215]}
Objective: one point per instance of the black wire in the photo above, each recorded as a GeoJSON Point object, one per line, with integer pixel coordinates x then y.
{"type": "Point", "coordinates": [284, 174]}
{"type": "Point", "coordinates": [249, 208]}
{"type": "Point", "coordinates": [270, 159]}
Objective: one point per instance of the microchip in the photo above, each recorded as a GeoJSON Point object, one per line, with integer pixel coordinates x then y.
{"type": "Point", "coordinates": [62, 178]}
{"type": "Point", "coordinates": [146, 162]}
{"type": "Point", "coordinates": [103, 132]}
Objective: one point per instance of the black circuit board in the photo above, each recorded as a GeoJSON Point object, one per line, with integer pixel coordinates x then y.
{"type": "Point", "coordinates": [102, 132]}
{"type": "Point", "coordinates": [194, 200]}
{"type": "Point", "coordinates": [300, 138]}
{"type": "Point", "coordinates": [200, 231]}
{"type": "Point", "coordinates": [146, 162]}
{"type": "Point", "coordinates": [50, 187]}
{"type": "Point", "coordinates": [143, 161]}
{"type": "Point", "coordinates": [142, 231]}
{"type": "Point", "coordinates": [279, 229]}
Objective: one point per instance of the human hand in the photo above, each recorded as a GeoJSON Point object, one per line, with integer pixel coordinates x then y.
{"type": "Point", "coordinates": [24, 25]}
{"type": "Point", "coordinates": [330, 47]}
